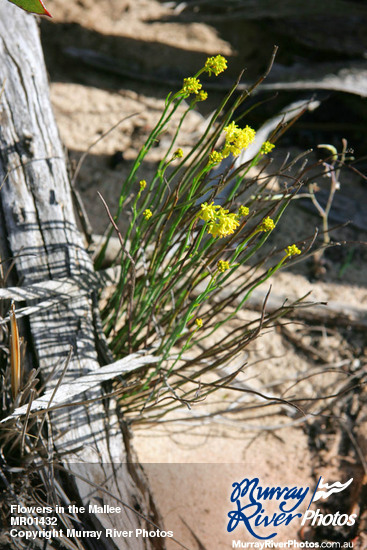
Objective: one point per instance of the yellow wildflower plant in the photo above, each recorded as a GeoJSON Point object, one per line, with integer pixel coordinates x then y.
{"type": "Point", "coordinates": [266, 148]}
{"type": "Point", "coordinates": [191, 85]}
{"type": "Point", "coordinates": [223, 266]}
{"type": "Point", "coordinates": [216, 64]}
{"type": "Point", "coordinates": [183, 250]}
{"type": "Point", "coordinates": [147, 214]}
{"type": "Point", "coordinates": [292, 250]}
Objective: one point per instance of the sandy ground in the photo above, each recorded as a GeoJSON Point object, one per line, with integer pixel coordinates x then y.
{"type": "Point", "coordinates": [191, 463]}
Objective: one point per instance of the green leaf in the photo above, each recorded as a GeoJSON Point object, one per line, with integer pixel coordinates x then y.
{"type": "Point", "coordinates": [33, 6]}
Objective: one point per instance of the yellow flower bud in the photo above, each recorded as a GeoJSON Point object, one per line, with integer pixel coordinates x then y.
{"type": "Point", "coordinates": [243, 211]}
{"type": "Point", "coordinates": [216, 64]}
{"type": "Point", "coordinates": [223, 266]}
{"type": "Point", "coordinates": [191, 85]}
{"type": "Point", "coordinates": [292, 250]}
{"type": "Point", "coordinates": [147, 214]}
{"type": "Point", "coordinates": [267, 225]}
{"type": "Point", "coordinates": [266, 148]}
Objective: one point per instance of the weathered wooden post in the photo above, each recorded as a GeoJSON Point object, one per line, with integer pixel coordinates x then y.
{"type": "Point", "coordinates": [39, 231]}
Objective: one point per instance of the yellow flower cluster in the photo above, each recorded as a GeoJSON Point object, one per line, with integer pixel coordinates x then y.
{"type": "Point", "coordinates": [202, 96]}
{"type": "Point", "coordinates": [243, 211]}
{"type": "Point", "coordinates": [208, 211]}
{"type": "Point", "coordinates": [147, 214]}
{"type": "Point", "coordinates": [237, 139]}
{"type": "Point", "coordinates": [198, 322]}
{"type": "Point", "coordinates": [216, 65]}
{"type": "Point", "coordinates": [191, 85]}
{"type": "Point", "coordinates": [142, 184]}
{"type": "Point", "coordinates": [292, 250]}
{"type": "Point", "coordinates": [266, 225]}
{"type": "Point", "coordinates": [178, 154]}
{"type": "Point", "coordinates": [221, 223]}
{"type": "Point", "coordinates": [222, 266]}
{"type": "Point", "coordinates": [215, 157]}
{"type": "Point", "coordinates": [266, 148]}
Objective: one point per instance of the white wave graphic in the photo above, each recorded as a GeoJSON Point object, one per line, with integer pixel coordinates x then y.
{"type": "Point", "coordinates": [336, 487]}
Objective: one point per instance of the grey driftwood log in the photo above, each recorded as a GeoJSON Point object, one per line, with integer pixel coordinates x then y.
{"type": "Point", "coordinates": [39, 232]}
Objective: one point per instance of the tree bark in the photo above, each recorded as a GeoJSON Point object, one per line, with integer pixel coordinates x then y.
{"type": "Point", "coordinates": [39, 233]}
